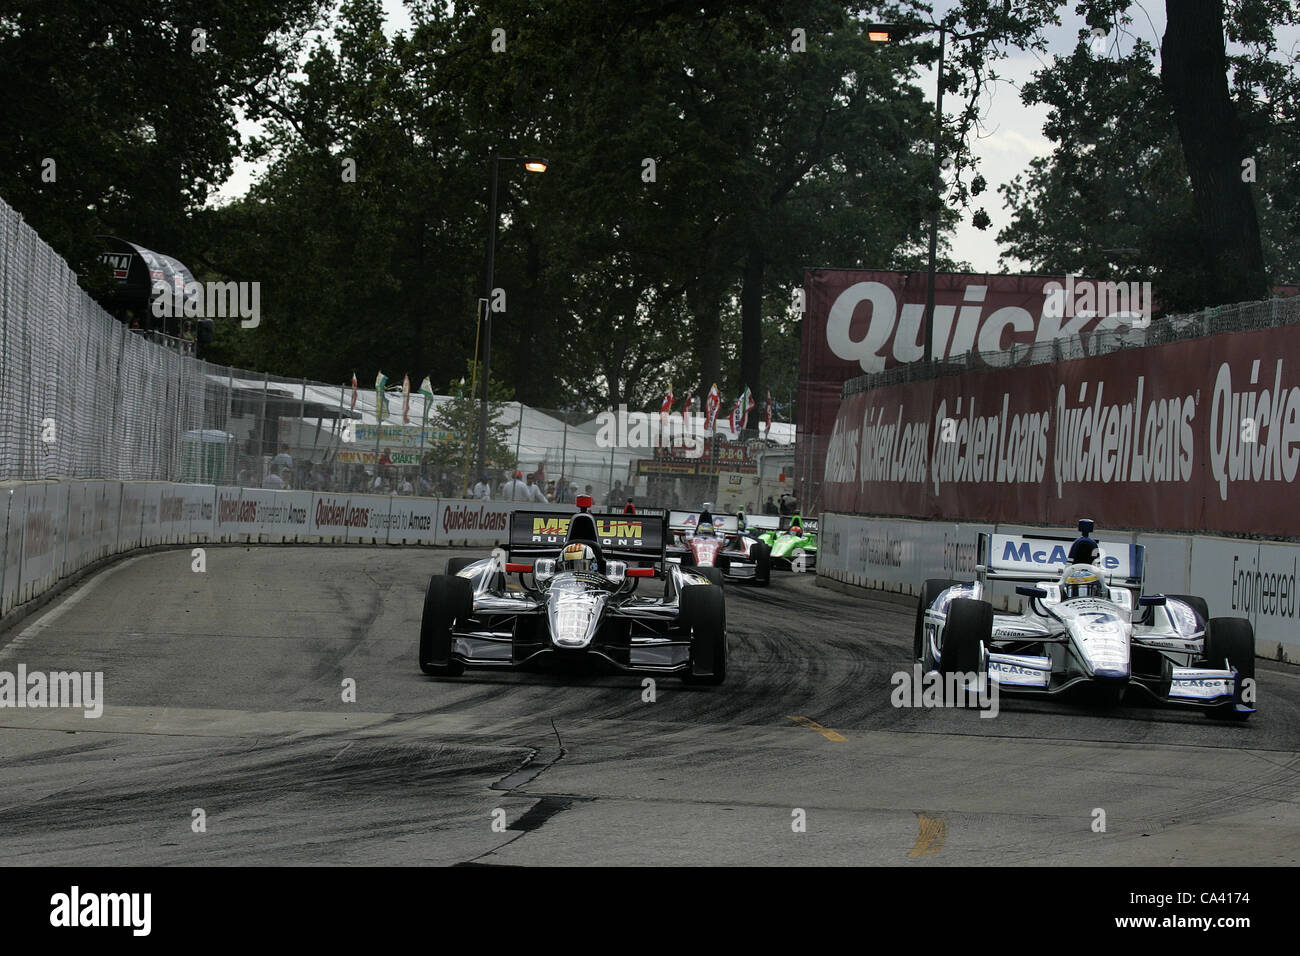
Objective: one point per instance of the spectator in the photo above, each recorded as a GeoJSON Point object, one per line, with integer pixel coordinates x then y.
{"type": "Point", "coordinates": [769, 507]}
{"type": "Point", "coordinates": [406, 488]}
{"type": "Point", "coordinates": [629, 508]}
{"type": "Point", "coordinates": [515, 489]}
{"type": "Point", "coordinates": [283, 459]}
{"type": "Point", "coordinates": [535, 492]}
{"type": "Point", "coordinates": [273, 481]}
{"type": "Point", "coordinates": [589, 494]}
{"type": "Point", "coordinates": [616, 495]}
{"type": "Point", "coordinates": [563, 493]}
{"type": "Point", "coordinates": [483, 488]}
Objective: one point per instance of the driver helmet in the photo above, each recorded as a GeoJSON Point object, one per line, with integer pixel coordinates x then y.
{"type": "Point", "coordinates": [577, 557]}
{"type": "Point", "coordinates": [706, 530]}
{"type": "Point", "coordinates": [1081, 580]}
{"type": "Point", "coordinates": [708, 506]}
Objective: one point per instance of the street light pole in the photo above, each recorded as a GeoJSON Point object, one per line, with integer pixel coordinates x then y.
{"type": "Point", "coordinates": [487, 322]}
{"type": "Point", "coordinates": [533, 165]}
{"type": "Point", "coordinates": [934, 214]}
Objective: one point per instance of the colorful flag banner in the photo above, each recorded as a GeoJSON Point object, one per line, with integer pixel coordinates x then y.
{"type": "Point", "coordinates": [354, 392]}
{"type": "Point", "coordinates": [406, 399]}
{"type": "Point", "coordinates": [426, 389]}
{"type": "Point", "coordinates": [381, 405]}
{"type": "Point", "coordinates": [711, 406]}
{"type": "Point", "coordinates": [767, 413]}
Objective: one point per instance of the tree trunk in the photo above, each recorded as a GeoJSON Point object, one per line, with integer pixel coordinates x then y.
{"type": "Point", "coordinates": [1194, 75]}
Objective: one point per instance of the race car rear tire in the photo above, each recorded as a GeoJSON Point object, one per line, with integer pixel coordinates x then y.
{"type": "Point", "coordinates": [454, 565]}
{"type": "Point", "coordinates": [446, 599]}
{"type": "Point", "coordinates": [1231, 639]}
{"type": "Point", "coordinates": [762, 556]}
{"type": "Point", "coordinates": [1197, 604]}
{"type": "Point", "coordinates": [704, 611]}
{"type": "Point", "coordinates": [930, 590]}
{"type": "Point", "coordinates": [714, 575]}
{"type": "Point", "coordinates": [969, 624]}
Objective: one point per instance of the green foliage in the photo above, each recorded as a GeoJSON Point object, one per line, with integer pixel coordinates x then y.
{"type": "Point", "coordinates": [460, 418]}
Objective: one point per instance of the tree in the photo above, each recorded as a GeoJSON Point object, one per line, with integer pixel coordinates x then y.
{"type": "Point", "coordinates": [454, 452]}
{"type": "Point", "coordinates": [1115, 198]}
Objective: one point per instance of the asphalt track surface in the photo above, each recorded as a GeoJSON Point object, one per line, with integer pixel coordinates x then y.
{"type": "Point", "coordinates": [224, 694]}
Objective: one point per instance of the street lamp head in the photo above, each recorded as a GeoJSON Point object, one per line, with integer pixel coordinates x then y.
{"type": "Point", "coordinates": [536, 165]}
{"type": "Point", "coordinates": [879, 34]}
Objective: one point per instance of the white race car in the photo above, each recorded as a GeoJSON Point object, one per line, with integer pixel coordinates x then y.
{"type": "Point", "coordinates": [1085, 622]}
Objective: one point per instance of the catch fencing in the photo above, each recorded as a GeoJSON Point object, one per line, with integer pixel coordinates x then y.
{"type": "Point", "coordinates": [82, 397]}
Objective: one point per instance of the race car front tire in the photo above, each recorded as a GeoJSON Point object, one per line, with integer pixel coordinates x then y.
{"type": "Point", "coordinates": [704, 611]}
{"type": "Point", "coordinates": [969, 624]}
{"type": "Point", "coordinates": [1230, 642]}
{"type": "Point", "coordinates": [447, 599]}
{"type": "Point", "coordinates": [713, 574]}
{"type": "Point", "coordinates": [930, 592]}
{"type": "Point", "coordinates": [1197, 604]}
{"type": "Point", "coordinates": [762, 556]}
{"type": "Point", "coordinates": [454, 565]}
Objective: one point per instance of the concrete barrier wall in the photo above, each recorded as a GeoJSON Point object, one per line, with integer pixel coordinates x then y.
{"type": "Point", "coordinates": [53, 529]}
{"type": "Point", "coordinates": [1238, 577]}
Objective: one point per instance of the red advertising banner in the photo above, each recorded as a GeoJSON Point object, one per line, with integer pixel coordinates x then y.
{"type": "Point", "coordinates": [1199, 435]}
{"type": "Point", "coordinates": [856, 322]}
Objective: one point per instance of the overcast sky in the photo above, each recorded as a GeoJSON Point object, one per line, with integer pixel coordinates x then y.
{"type": "Point", "coordinates": [1011, 136]}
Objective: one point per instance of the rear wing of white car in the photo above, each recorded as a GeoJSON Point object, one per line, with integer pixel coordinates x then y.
{"type": "Point", "coordinates": [1034, 557]}
{"type": "Point", "coordinates": [685, 521]}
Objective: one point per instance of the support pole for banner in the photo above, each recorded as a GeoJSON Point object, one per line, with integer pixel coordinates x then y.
{"type": "Point", "coordinates": [519, 435]}
{"type": "Point", "coordinates": [564, 447]}
{"type": "Point", "coordinates": [261, 430]}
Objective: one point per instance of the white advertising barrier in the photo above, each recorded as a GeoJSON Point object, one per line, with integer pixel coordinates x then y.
{"type": "Point", "coordinates": [890, 554]}
{"type": "Point", "coordinates": [44, 511]}
{"type": "Point", "coordinates": [413, 521]}
{"type": "Point", "coordinates": [11, 549]}
{"type": "Point", "coordinates": [354, 519]}
{"type": "Point", "coordinates": [1255, 580]}
{"type": "Point", "coordinates": [248, 514]}
{"type": "Point", "coordinates": [1237, 577]}
{"type": "Point", "coordinates": [189, 512]}
{"type": "Point", "coordinates": [130, 519]}
{"type": "Point", "coordinates": [474, 522]}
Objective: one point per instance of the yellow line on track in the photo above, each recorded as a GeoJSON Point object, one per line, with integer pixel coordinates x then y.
{"type": "Point", "coordinates": [813, 725]}
{"type": "Point", "coordinates": [930, 840]}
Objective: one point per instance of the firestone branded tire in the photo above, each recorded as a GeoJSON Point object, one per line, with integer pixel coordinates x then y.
{"type": "Point", "coordinates": [969, 624]}
{"type": "Point", "coordinates": [704, 610]}
{"type": "Point", "coordinates": [454, 565]}
{"type": "Point", "coordinates": [447, 599]}
{"type": "Point", "coordinates": [762, 556]}
{"type": "Point", "coordinates": [1197, 604]}
{"type": "Point", "coordinates": [1231, 640]}
{"type": "Point", "coordinates": [930, 591]}
{"type": "Point", "coordinates": [714, 575]}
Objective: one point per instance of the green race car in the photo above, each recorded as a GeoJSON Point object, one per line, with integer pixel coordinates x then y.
{"type": "Point", "coordinates": [792, 538]}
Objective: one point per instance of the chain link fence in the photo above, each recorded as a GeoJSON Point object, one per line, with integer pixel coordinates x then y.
{"type": "Point", "coordinates": [84, 396]}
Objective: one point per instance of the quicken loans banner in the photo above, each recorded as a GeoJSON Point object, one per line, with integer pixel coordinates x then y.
{"type": "Point", "coordinates": [1199, 435]}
